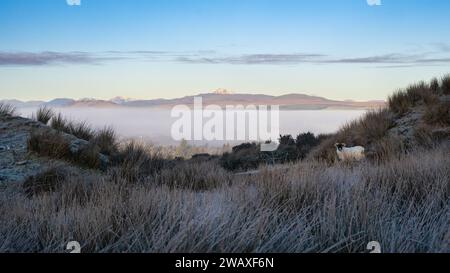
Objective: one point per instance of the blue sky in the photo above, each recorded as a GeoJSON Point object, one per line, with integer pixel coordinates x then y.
{"type": "Point", "coordinates": [343, 49]}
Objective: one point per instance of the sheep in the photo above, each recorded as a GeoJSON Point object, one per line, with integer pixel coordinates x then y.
{"type": "Point", "coordinates": [351, 153]}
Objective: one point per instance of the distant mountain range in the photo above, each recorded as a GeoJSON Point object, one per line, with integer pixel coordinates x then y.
{"type": "Point", "coordinates": [220, 97]}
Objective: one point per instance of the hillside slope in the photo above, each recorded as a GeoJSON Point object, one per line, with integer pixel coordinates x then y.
{"type": "Point", "coordinates": [18, 162]}
{"type": "Point", "coordinates": [418, 116]}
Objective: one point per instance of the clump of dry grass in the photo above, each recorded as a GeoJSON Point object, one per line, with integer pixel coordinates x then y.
{"type": "Point", "coordinates": [134, 162]}
{"type": "Point", "coordinates": [45, 182]}
{"type": "Point", "coordinates": [81, 129]}
{"type": "Point", "coordinates": [59, 122]}
{"type": "Point", "coordinates": [309, 207]}
{"type": "Point", "coordinates": [44, 114]}
{"type": "Point", "coordinates": [7, 109]}
{"type": "Point", "coordinates": [88, 156]}
{"type": "Point", "coordinates": [106, 140]}
{"type": "Point", "coordinates": [194, 176]}
{"type": "Point", "coordinates": [403, 100]}
{"type": "Point", "coordinates": [49, 144]}
{"type": "Point", "coordinates": [438, 114]}
{"type": "Point", "coordinates": [55, 145]}
{"type": "Point", "coordinates": [429, 136]}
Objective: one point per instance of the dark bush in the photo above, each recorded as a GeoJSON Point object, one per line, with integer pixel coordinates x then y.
{"type": "Point", "coordinates": [445, 85]}
{"type": "Point", "coordinates": [243, 157]}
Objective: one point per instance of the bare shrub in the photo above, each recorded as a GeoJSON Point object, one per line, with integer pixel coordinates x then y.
{"type": "Point", "coordinates": [434, 86]}
{"type": "Point", "coordinates": [445, 85]}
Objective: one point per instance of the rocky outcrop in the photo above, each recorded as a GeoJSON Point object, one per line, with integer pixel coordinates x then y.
{"type": "Point", "coordinates": [17, 162]}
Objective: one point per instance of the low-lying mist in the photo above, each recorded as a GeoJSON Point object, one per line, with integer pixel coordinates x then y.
{"type": "Point", "coordinates": [154, 125]}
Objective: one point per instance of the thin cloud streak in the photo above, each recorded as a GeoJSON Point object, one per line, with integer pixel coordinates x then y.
{"type": "Point", "coordinates": [250, 59]}
{"type": "Point", "coordinates": [211, 57]}
{"type": "Point", "coordinates": [51, 58]}
{"type": "Point", "coordinates": [293, 59]}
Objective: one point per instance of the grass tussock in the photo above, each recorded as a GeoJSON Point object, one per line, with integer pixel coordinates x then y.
{"type": "Point", "coordinates": [45, 182]}
{"type": "Point", "coordinates": [401, 203]}
{"type": "Point", "coordinates": [429, 136]}
{"type": "Point", "coordinates": [49, 144]}
{"type": "Point", "coordinates": [7, 109]}
{"type": "Point", "coordinates": [194, 176]}
{"type": "Point", "coordinates": [44, 114]}
{"type": "Point", "coordinates": [80, 129]}
{"type": "Point", "coordinates": [438, 114]}
{"type": "Point", "coordinates": [135, 162]}
{"type": "Point", "coordinates": [106, 140]}
{"type": "Point", "coordinates": [422, 93]}
{"type": "Point", "coordinates": [55, 145]}
{"type": "Point", "coordinates": [59, 122]}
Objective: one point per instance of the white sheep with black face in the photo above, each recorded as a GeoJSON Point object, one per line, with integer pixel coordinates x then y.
{"type": "Point", "coordinates": [349, 153]}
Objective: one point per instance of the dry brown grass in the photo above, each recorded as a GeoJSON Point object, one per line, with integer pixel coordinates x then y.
{"type": "Point", "coordinates": [135, 161]}
{"type": "Point", "coordinates": [372, 130]}
{"type": "Point", "coordinates": [194, 176]}
{"type": "Point", "coordinates": [59, 122]}
{"type": "Point", "coordinates": [106, 140]}
{"type": "Point", "coordinates": [45, 182]}
{"type": "Point", "coordinates": [7, 109]}
{"type": "Point", "coordinates": [55, 145]}
{"type": "Point", "coordinates": [49, 144]}
{"type": "Point", "coordinates": [438, 114]}
{"type": "Point", "coordinates": [403, 100]}
{"type": "Point", "coordinates": [44, 114]}
{"type": "Point", "coordinates": [402, 203]}
{"type": "Point", "coordinates": [368, 131]}
{"type": "Point", "coordinates": [81, 129]}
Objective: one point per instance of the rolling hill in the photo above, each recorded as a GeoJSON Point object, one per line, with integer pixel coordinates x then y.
{"type": "Point", "coordinates": [292, 101]}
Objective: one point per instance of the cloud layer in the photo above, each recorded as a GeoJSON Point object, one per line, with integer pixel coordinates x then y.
{"type": "Point", "coordinates": [50, 58]}
{"type": "Point", "coordinates": [439, 56]}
